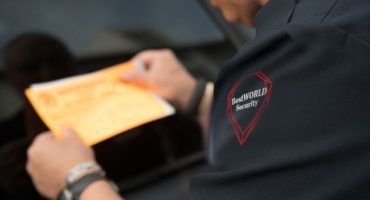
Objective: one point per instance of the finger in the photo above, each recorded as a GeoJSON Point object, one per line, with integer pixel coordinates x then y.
{"type": "Point", "coordinates": [29, 168]}
{"type": "Point", "coordinates": [139, 66]}
{"type": "Point", "coordinates": [146, 56]}
{"type": "Point", "coordinates": [47, 135]}
{"type": "Point", "coordinates": [39, 140]}
{"type": "Point", "coordinates": [69, 133]}
{"type": "Point", "coordinates": [137, 77]}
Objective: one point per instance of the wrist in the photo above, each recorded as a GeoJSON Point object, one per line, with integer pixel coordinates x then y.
{"type": "Point", "coordinates": [79, 179]}
{"type": "Point", "coordinates": [101, 189]}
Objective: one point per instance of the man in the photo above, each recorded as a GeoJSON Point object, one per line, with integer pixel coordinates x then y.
{"type": "Point", "coordinates": [290, 115]}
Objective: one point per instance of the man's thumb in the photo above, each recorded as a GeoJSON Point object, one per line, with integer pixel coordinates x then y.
{"type": "Point", "coordinates": [134, 77]}
{"type": "Point", "coordinates": [68, 133]}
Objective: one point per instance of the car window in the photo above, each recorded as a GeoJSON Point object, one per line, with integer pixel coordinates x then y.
{"type": "Point", "coordinates": [86, 25]}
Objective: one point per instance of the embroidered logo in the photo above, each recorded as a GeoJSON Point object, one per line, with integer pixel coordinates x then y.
{"type": "Point", "coordinates": [246, 102]}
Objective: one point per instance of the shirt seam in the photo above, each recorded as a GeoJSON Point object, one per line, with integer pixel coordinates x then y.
{"type": "Point", "coordinates": [330, 10]}
{"type": "Point", "coordinates": [363, 41]}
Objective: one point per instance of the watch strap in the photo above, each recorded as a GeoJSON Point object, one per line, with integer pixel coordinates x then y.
{"type": "Point", "coordinates": [193, 107]}
{"type": "Point", "coordinates": [73, 191]}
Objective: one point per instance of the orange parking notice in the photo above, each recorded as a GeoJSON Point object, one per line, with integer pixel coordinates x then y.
{"type": "Point", "coordinates": [97, 105]}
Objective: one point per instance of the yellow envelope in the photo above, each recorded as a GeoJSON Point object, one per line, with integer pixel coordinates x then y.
{"type": "Point", "coordinates": [97, 105]}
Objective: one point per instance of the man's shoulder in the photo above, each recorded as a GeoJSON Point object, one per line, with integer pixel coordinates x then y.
{"type": "Point", "coordinates": [350, 17]}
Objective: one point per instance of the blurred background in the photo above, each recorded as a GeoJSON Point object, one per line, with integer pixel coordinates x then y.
{"type": "Point", "coordinates": [154, 161]}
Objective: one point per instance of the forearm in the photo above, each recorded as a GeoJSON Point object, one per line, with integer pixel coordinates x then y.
{"type": "Point", "coordinates": [205, 110]}
{"type": "Point", "coordinates": [100, 190]}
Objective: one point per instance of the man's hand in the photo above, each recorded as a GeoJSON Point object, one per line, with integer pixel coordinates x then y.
{"type": "Point", "coordinates": [49, 160]}
{"type": "Point", "coordinates": [165, 75]}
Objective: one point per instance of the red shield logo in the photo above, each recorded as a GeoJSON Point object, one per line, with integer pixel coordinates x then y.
{"type": "Point", "coordinates": [246, 102]}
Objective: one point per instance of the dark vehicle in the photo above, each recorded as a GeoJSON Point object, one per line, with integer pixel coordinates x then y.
{"type": "Point", "coordinates": [155, 160]}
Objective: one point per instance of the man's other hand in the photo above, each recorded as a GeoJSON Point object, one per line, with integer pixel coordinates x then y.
{"type": "Point", "coordinates": [164, 74]}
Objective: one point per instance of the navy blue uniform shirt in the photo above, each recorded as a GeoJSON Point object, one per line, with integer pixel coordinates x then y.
{"type": "Point", "coordinates": [291, 111]}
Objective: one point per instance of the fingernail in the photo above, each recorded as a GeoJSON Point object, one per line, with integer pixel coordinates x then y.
{"type": "Point", "coordinates": [139, 66]}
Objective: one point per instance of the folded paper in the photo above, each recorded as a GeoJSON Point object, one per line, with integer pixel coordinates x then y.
{"type": "Point", "coordinates": [97, 105]}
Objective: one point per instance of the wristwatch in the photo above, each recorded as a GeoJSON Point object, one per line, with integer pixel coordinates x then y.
{"type": "Point", "coordinates": [72, 191]}
{"type": "Point", "coordinates": [79, 178]}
